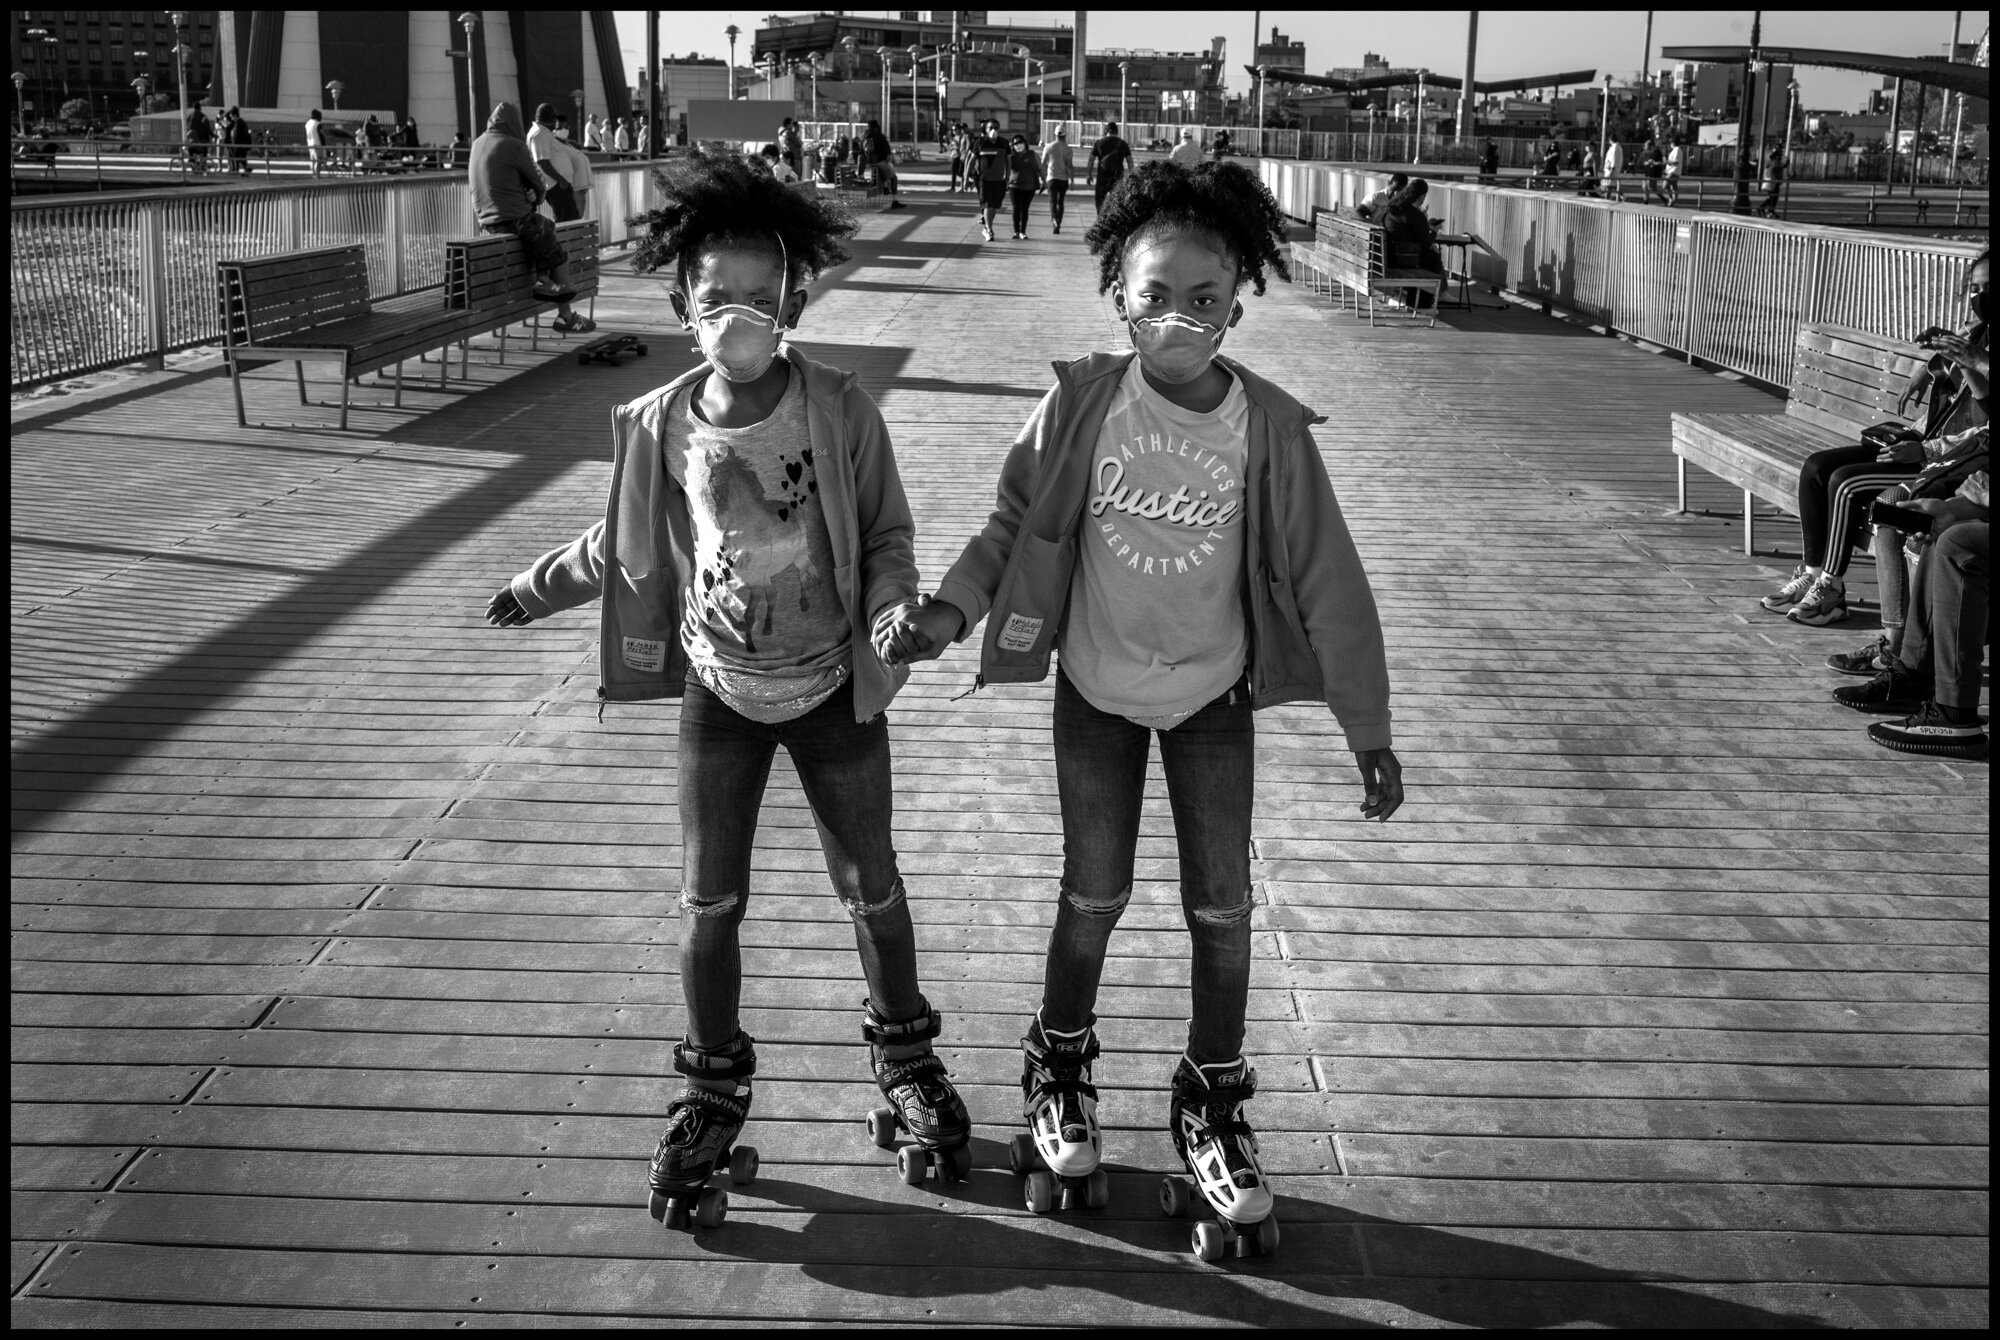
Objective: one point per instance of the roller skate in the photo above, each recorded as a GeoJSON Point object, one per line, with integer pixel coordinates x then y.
{"type": "Point", "coordinates": [1220, 1151]}
{"type": "Point", "coordinates": [702, 1126]}
{"type": "Point", "coordinates": [922, 1102]}
{"type": "Point", "coordinates": [1060, 1152]}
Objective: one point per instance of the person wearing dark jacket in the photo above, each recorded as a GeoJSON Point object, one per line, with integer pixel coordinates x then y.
{"type": "Point", "coordinates": [1024, 178]}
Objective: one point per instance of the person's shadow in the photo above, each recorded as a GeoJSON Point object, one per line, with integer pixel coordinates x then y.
{"type": "Point", "coordinates": [1096, 1267]}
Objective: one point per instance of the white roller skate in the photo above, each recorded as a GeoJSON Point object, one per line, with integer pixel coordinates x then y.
{"type": "Point", "coordinates": [1220, 1152]}
{"type": "Point", "coordinates": [1061, 1150]}
{"type": "Point", "coordinates": [922, 1101]}
{"type": "Point", "coordinates": [702, 1126]}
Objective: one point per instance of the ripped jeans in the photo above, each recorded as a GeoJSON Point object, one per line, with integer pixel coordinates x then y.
{"type": "Point", "coordinates": [1209, 761]}
{"type": "Point", "coordinates": [725, 760]}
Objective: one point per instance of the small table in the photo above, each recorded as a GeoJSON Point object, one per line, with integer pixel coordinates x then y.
{"type": "Point", "coordinates": [1461, 242]}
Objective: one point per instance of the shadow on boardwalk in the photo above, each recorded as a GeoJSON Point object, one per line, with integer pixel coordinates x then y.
{"type": "Point", "coordinates": [343, 954]}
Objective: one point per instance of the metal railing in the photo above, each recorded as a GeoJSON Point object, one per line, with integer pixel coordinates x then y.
{"type": "Point", "coordinates": [1727, 291]}
{"type": "Point", "coordinates": [100, 280]}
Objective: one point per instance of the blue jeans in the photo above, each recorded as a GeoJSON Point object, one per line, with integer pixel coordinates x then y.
{"type": "Point", "coordinates": [1209, 761]}
{"type": "Point", "coordinates": [725, 760]}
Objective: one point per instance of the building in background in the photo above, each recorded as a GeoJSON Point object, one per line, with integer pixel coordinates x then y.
{"type": "Point", "coordinates": [95, 55]}
{"type": "Point", "coordinates": [403, 60]}
{"type": "Point", "coordinates": [1281, 53]}
{"type": "Point", "coordinates": [1161, 86]}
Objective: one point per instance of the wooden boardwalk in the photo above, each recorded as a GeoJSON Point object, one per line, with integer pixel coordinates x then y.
{"type": "Point", "coordinates": [343, 940]}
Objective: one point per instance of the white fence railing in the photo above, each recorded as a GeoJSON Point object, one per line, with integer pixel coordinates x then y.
{"type": "Point", "coordinates": [99, 280]}
{"type": "Point", "coordinates": [1729, 291]}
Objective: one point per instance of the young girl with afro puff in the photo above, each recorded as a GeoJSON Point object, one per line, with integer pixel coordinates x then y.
{"type": "Point", "coordinates": [756, 531]}
{"type": "Point", "coordinates": [1165, 522]}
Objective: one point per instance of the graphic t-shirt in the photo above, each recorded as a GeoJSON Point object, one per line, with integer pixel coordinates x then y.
{"type": "Point", "coordinates": [763, 624]}
{"type": "Point", "coordinates": [1155, 629]}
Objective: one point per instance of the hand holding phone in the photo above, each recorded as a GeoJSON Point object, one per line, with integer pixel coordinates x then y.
{"type": "Point", "coordinates": [1908, 520]}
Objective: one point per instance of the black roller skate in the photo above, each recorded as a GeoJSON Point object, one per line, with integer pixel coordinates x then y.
{"type": "Point", "coordinates": [702, 1126]}
{"type": "Point", "coordinates": [922, 1101]}
{"type": "Point", "coordinates": [1061, 1150]}
{"type": "Point", "coordinates": [1220, 1151]}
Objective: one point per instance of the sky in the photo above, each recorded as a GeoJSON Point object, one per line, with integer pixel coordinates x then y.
{"type": "Point", "coordinates": [1512, 43]}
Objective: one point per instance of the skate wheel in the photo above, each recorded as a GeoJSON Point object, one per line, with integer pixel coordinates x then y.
{"type": "Point", "coordinates": [1041, 1192]}
{"type": "Point", "coordinates": [742, 1165]}
{"type": "Point", "coordinates": [954, 1164]}
{"type": "Point", "coordinates": [1267, 1236]}
{"type": "Point", "coordinates": [582, 360]}
{"type": "Point", "coordinates": [641, 348]}
{"type": "Point", "coordinates": [657, 1206]}
{"type": "Point", "coordinates": [1175, 1198]}
{"type": "Point", "coordinates": [711, 1207]}
{"type": "Point", "coordinates": [1021, 1155]}
{"type": "Point", "coordinates": [882, 1127]}
{"type": "Point", "coordinates": [1208, 1240]}
{"type": "Point", "coordinates": [677, 1215]}
{"type": "Point", "coordinates": [1097, 1190]}
{"type": "Point", "coordinates": [910, 1163]}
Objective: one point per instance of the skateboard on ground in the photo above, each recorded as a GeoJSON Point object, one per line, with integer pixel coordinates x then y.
{"type": "Point", "coordinates": [608, 348]}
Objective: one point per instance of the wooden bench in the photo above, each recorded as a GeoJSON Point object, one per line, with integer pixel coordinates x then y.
{"type": "Point", "coordinates": [1843, 381]}
{"type": "Point", "coordinates": [1354, 254]}
{"type": "Point", "coordinates": [490, 281]}
{"type": "Point", "coordinates": [315, 305]}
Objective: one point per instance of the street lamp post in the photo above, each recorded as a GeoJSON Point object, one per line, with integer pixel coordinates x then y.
{"type": "Point", "coordinates": [21, 100]}
{"type": "Point", "coordinates": [334, 88]}
{"type": "Point", "coordinates": [1124, 86]}
{"type": "Point", "coordinates": [888, 121]}
{"type": "Point", "coordinates": [469, 21]}
{"type": "Point", "coordinates": [916, 64]}
{"type": "Point", "coordinates": [142, 86]}
{"type": "Point", "coordinates": [576, 130]}
{"type": "Point", "coordinates": [1261, 81]}
{"type": "Point", "coordinates": [1740, 200]}
{"type": "Point", "coordinates": [39, 36]}
{"type": "Point", "coordinates": [1604, 126]}
{"type": "Point", "coordinates": [813, 65]}
{"type": "Point", "coordinates": [732, 32]}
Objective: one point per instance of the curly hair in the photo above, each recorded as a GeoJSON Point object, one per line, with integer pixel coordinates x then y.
{"type": "Point", "coordinates": [707, 197]}
{"type": "Point", "coordinates": [1223, 200]}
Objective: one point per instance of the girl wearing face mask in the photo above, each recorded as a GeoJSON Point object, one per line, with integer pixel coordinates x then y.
{"type": "Point", "coordinates": [1165, 522]}
{"type": "Point", "coordinates": [757, 531]}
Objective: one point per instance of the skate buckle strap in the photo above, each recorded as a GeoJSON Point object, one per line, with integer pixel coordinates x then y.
{"type": "Point", "coordinates": [736, 1059]}
{"type": "Point", "coordinates": [922, 1028]}
{"type": "Point", "coordinates": [732, 1107]}
{"type": "Point", "coordinates": [896, 1074]}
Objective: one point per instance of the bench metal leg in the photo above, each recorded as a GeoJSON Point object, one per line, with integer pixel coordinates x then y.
{"type": "Point", "coordinates": [1749, 523]}
{"type": "Point", "coordinates": [1681, 470]}
{"type": "Point", "coordinates": [299, 366]}
{"type": "Point", "coordinates": [236, 384]}
{"type": "Point", "coordinates": [346, 380]}
{"type": "Point", "coordinates": [399, 383]}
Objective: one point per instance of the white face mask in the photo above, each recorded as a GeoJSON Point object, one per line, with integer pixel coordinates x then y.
{"type": "Point", "coordinates": [1175, 348]}
{"type": "Point", "coordinates": [741, 342]}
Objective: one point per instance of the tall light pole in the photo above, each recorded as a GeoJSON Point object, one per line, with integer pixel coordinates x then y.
{"type": "Point", "coordinates": [1604, 125]}
{"type": "Point", "coordinates": [469, 21]}
{"type": "Point", "coordinates": [916, 64]}
{"type": "Point", "coordinates": [1261, 81]}
{"type": "Point", "coordinates": [888, 119]}
{"type": "Point", "coordinates": [813, 64]}
{"type": "Point", "coordinates": [576, 133]}
{"type": "Point", "coordinates": [334, 88]}
{"type": "Point", "coordinates": [38, 36]}
{"type": "Point", "coordinates": [179, 17]}
{"type": "Point", "coordinates": [21, 100]}
{"type": "Point", "coordinates": [1740, 201]}
{"type": "Point", "coordinates": [1124, 82]}
{"type": "Point", "coordinates": [732, 32]}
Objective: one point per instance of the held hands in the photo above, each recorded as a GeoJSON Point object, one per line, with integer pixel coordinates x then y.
{"type": "Point", "coordinates": [1382, 780]}
{"type": "Point", "coordinates": [504, 610]}
{"type": "Point", "coordinates": [916, 630]}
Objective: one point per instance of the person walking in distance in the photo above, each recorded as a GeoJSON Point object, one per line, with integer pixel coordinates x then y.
{"type": "Point", "coordinates": [792, 147]}
{"type": "Point", "coordinates": [506, 188]}
{"type": "Point", "coordinates": [1024, 179]}
{"type": "Point", "coordinates": [1166, 524]}
{"type": "Point", "coordinates": [989, 161]}
{"type": "Point", "coordinates": [1109, 158]}
{"type": "Point", "coordinates": [1670, 180]}
{"type": "Point", "coordinates": [756, 531]}
{"type": "Point", "coordinates": [1058, 162]}
{"type": "Point", "coordinates": [1188, 152]}
{"type": "Point", "coordinates": [315, 138]}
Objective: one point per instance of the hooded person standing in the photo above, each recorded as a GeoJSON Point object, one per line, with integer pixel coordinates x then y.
{"type": "Point", "coordinates": [506, 188]}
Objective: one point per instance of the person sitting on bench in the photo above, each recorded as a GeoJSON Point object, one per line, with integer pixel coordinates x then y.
{"type": "Point", "coordinates": [506, 188]}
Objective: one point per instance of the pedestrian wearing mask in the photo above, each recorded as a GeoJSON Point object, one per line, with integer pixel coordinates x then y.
{"type": "Point", "coordinates": [1058, 163]}
{"type": "Point", "coordinates": [989, 159]}
{"type": "Point", "coordinates": [1024, 178]}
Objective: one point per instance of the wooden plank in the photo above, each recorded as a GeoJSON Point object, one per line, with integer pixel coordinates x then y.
{"type": "Point", "coordinates": [24, 1258]}
{"type": "Point", "coordinates": [104, 1083]}
{"type": "Point", "coordinates": [66, 1168]}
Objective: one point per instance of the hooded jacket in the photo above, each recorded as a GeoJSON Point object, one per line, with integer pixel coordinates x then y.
{"type": "Point", "coordinates": [1314, 632]}
{"type": "Point", "coordinates": [506, 184]}
{"type": "Point", "coordinates": [637, 558]}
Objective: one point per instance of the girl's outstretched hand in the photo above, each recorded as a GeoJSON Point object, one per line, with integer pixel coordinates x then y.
{"type": "Point", "coordinates": [915, 630]}
{"type": "Point", "coordinates": [1382, 779]}
{"type": "Point", "coordinates": [505, 611]}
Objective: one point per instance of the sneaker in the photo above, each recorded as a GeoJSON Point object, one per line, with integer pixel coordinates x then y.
{"type": "Point", "coordinates": [987, 231]}
{"type": "Point", "coordinates": [1872, 659]}
{"type": "Point", "coordinates": [1929, 731]}
{"type": "Point", "coordinates": [1791, 593]}
{"type": "Point", "coordinates": [576, 325]}
{"type": "Point", "coordinates": [549, 293]}
{"type": "Point", "coordinates": [1894, 690]}
{"type": "Point", "coordinates": [896, 204]}
{"type": "Point", "coordinates": [1826, 603]}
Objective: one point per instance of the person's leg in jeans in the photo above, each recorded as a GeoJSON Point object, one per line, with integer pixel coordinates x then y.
{"type": "Point", "coordinates": [1100, 782]}
{"type": "Point", "coordinates": [1209, 761]}
{"type": "Point", "coordinates": [1057, 190]}
{"type": "Point", "coordinates": [1950, 631]}
{"type": "Point", "coordinates": [843, 768]}
{"type": "Point", "coordinates": [547, 254]}
{"type": "Point", "coordinates": [724, 761]}
{"type": "Point", "coordinates": [1022, 200]}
